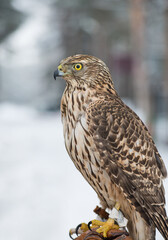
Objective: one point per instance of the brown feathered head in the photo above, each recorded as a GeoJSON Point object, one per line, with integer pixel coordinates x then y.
{"type": "Point", "coordinates": [84, 69]}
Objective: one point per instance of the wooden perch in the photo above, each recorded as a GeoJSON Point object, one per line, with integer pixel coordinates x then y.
{"type": "Point", "coordinates": [112, 234]}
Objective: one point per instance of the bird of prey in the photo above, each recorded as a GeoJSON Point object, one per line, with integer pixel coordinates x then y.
{"type": "Point", "coordinates": [111, 146]}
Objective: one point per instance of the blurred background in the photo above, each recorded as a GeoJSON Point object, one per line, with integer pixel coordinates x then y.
{"type": "Point", "coordinates": [42, 195]}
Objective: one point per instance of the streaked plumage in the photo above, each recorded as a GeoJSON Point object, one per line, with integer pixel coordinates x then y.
{"type": "Point", "coordinates": [111, 147]}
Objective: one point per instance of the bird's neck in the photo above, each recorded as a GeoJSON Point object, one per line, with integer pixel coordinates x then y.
{"type": "Point", "coordinates": [77, 99]}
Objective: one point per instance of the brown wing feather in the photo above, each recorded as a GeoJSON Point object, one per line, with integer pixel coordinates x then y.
{"type": "Point", "coordinates": [131, 158]}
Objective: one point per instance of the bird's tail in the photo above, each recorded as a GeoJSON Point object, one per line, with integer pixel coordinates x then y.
{"type": "Point", "coordinates": [161, 223]}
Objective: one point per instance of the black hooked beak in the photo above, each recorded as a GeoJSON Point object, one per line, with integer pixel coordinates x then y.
{"type": "Point", "coordinates": [58, 72]}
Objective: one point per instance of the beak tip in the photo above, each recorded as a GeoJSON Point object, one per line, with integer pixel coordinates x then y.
{"type": "Point", "coordinates": [56, 73]}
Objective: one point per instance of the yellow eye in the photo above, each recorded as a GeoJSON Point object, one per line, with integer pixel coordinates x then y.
{"type": "Point", "coordinates": [78, 66]}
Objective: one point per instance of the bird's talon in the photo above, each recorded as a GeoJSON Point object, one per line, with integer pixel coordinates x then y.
{"type": "Point", "coordinates": [95, 224]}
{"type": "Point", "coordinates": [77, 228]}
{"type": "Point", "coordinates": [71, 231]}
{"type": "Point", "coordinates": [89, 223]}
{"type": "Point", "coordinates": [82, 227]}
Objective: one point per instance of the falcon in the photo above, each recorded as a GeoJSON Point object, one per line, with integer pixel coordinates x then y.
{"type": "Point", "coordinates": [111, 147]}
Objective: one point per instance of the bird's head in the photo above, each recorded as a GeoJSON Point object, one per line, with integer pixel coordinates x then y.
{"type": "Point", "coordinates": [83, 69]}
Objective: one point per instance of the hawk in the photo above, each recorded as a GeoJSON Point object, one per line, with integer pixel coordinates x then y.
{"type": "Point", "coordinates": [111, 146]}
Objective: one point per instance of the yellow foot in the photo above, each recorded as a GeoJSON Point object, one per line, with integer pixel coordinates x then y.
{"type": "Point", "coordinates": [83, 227]}
{"type": "Point", "coordinates": [104, 227]}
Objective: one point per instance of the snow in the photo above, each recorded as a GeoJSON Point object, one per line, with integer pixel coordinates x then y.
{"type": "Point", "coordinates": [42, 195]}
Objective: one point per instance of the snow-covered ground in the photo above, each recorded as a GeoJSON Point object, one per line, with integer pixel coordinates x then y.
{"type": "Point", "coordinates": [42, 195]}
